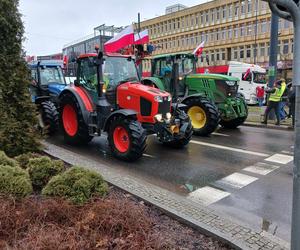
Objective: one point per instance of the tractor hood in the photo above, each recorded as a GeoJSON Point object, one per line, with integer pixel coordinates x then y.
{"type": "Point", "coordinates": [213, 76]}
{"type": "Point", "coordinates": [56, 88]}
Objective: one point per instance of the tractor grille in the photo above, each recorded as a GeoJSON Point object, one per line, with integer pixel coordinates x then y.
{"type": "Point", "coordinates": [146, 107]}
{"type": "Point", "coordinates": [164, 107]}
{"type": "Point", "coordinates": [226, 89]}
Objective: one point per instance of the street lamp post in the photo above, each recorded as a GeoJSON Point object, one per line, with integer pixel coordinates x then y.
{"type": "Point", "coordinates": [290, 10]}
{"type": "Point", "coordinates": [255, 32]}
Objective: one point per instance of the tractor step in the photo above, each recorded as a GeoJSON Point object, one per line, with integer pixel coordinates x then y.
{"type": "Point", "coordinates": [92, 125]}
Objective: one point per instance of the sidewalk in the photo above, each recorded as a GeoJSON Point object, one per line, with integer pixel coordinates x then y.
{"type": "Point", "coordinates": [255, 117]}
{"type": "Point", "coordinates": [203, 218]}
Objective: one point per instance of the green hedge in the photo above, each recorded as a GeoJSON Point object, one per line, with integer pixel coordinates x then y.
{"type": "Point", "coordinates": [5, 160]}
{"type": "Point", "coordinates": [76, 184]}
{"type": "Point", "coordinates": [42, 169]}
{"type": "Point", "coordinates": [23, 159]}
{"type": "Point", "coordinates": [14, 181]}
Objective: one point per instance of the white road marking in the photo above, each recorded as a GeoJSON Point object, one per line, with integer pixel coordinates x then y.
{"type": "Point", "coordinates": [207, 195]}
{"type": "Point", "coordinates": [261, 168]}
{"type": "Point", "coordinates": [237, 180]}
{"type": "Point", "coordinates": [280, 158]}
{"type": "Point", "coordinates": [220, 134]}
{"type": "Point", "coordinates": [229, 148]}
{"type": "Point", "coordinates": [150, 156]}
{"type": "Point", "coordinates": [287, 152]}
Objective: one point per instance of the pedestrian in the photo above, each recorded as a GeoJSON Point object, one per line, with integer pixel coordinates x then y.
{"type": "Point", "coordinates": [260, 95]}
{"type": "Point", "coordinates": [274, 100]}
{"type": "Point", "coordinates": [283, 103]}
{"type": "Point", "coordinates": [291, 97]}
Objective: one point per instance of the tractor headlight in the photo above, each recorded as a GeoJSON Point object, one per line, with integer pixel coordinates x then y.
{"type": "Point", "coordinates": [158, 98]}
{"type": "Point", "coordinates": [168, 115]}
{"type": "Point", "coordinates": [230, 83]}
{"type": "Point", "coordinates": [169, 98]}
{"type": "Point", "coordinates": [158, 117]}
{"type": "Point", "coordinates": [229, 94]}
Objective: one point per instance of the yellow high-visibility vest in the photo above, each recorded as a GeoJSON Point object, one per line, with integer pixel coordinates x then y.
{"type": "Point", "coordinates": [276, 96]}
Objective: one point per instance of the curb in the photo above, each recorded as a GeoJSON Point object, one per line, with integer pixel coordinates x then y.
{"type": "Point", "coordinates": [188, 212]}
{"type": "Point", "coordinates": [269, 126]}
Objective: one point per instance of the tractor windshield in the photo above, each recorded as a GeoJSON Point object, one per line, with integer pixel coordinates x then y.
{"type": "Point", "coordinates": [51, 75]}
{"type": "Point", "coordinates": [119, 69]}
{"type": "Point", "coordinates": [186, 65]}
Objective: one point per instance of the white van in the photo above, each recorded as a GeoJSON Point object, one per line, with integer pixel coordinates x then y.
{"type": "Point", "coordinates": [256, 77]}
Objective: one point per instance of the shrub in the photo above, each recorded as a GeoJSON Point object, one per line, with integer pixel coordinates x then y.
{"type": "Point", "coordinates": [76, 184]}
{"type": "Point", "coordinates": [42, 169]}
{"type": "Point", "coordinates": [14, 181]}
{"type": "Point", "coordinates": [23, 159]}
{"type": "Point", "coordinates": [5, 160]}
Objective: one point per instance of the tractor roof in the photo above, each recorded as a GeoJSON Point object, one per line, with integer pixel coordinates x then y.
{"type": "Point", "coordinates": [172, 54]}
{"type": "Point", "coordinates": [106, 54]}
{"type": "Point", "coordinates": [47, 63]}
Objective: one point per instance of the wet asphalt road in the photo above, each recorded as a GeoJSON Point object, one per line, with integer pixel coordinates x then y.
{"type": "Point", "coordinates": [207, 160]}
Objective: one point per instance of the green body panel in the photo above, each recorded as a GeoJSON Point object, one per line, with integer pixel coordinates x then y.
{"type": "Point", "coordinates": [157, 81]}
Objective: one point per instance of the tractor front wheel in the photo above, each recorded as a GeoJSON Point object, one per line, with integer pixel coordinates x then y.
{"type": "Point", "coordinates": [127, 138]}
{"type": "Point", "coordinates": [203, 114]}
{"type": "Point", "coordinates": [73, 125]}
{"type": "Point", "coordinates": [48, 118]}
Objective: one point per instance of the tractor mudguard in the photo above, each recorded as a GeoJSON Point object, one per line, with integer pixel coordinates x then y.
{"type": "Point", "coordinates": [180, 106]}
{"type": "Point", "coordinates": [154, 80]}
{"type": "Point", "coordinates": [121, 112]}
{"type": "Point", "coordinates": [83, 101]}
{"type": "Point", "coordinates": [202, 95]}
{"type": "Point", "coordinates": [40, 99]}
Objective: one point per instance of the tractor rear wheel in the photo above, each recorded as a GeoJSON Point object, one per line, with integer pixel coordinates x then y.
{"type": "Point", "coordinates": [180, 143]}
{"type": "Point", "coordinates": [74, 127]}
{"type": "Point", "coordinates": [203, 114]}
{"type": "Point", "coordinates": [48, 118]}
{"type": "Point", "coordinates": [127, 138]}
{"type": "Point", "coordinates": [234, 123]}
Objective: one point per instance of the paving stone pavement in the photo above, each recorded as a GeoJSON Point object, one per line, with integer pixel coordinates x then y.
{"type": "Point", "coordinates": [203, 218]}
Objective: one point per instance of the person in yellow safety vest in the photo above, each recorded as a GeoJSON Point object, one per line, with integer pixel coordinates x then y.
{"type": "Point", "coordinates": [274, 100]}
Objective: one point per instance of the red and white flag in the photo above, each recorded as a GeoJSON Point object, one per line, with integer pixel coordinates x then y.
{"type": "Point", "coordinates": [142, 37]}
{"type": "Point", "coordinates": [247, 74]}
{"type": "Point", "coordinates": [199, 49]}
{"type": "Point", "coordinates": [123, 39]}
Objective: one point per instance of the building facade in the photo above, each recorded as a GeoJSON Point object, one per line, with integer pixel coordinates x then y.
{"type": "Point", "coordinates": [233, 30]}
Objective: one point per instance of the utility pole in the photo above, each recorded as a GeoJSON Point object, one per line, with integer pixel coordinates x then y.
{"type": "Point", "coordinates": [290, 10]}
{"type": "Point", "coordinates": [273, 50]}
{"type": "Point", "coordinates": [255, 32]}
{"type": "Point", "coordinates": [140, 67]}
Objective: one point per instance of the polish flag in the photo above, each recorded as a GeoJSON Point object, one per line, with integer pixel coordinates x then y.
{"type": "Point", "coordinates": [247, 74]}
{"type": "Point", "coordinates": [123, 39]}
{"type": "Point", "coordinates": [142, 37]}
{"type": "Point", "coordinates": [199, 49]}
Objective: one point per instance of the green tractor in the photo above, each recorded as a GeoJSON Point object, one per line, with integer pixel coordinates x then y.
{"type": "Point", "coordinates": [211, 99]}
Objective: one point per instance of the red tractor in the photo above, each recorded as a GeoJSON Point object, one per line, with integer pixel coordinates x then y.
{"type": "Point", "coordinates": [108, 97]}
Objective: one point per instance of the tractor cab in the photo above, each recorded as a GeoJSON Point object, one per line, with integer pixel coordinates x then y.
{"type": "Point", "coordinates": [47, 79]}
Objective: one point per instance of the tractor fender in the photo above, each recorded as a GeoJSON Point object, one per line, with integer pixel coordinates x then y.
{"type": "Point", "coordinates": [155, 81]}
{"type": "Point", "coordinates": [202, 95]}
{"type": "Point", "coordinates": [40, 99]}
{"type": "Point", "coordinates": [120, 112]}
{"type": "Point", "coordinates": [83, 100]}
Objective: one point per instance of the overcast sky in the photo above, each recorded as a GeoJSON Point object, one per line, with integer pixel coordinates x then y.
{"type": "Point", "coordinates": [49, 24]}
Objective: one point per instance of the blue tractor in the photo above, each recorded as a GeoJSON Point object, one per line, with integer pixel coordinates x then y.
{"type": "Point", "coordinates": [47, 82]}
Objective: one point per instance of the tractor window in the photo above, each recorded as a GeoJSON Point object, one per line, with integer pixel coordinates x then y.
{"type": "Point", "coordinates": [34, 77]}
{"type": "Point", "coordinates": [87, 74]}
{"type": "Point", "coordinates": [119, 69]}
{"type": "Point", "coordinates": [186, 66]}
{"type": "Point", "coordinates": [51, 75]}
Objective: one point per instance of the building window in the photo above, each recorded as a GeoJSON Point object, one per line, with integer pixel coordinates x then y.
{"type": "Point", "coordinates": [212, 36]}
{"type": "Point", "coordinates": [241, 52]}
{"type": "Point", "coordinates": [230, 33]}
{"type": "Point", "coordinates": [217, 55]}
{"type": "Point", "coordinates": [262, 50]}
{"type": "Point", "coordinates": [243, 8]}
{"type": "Point", "coordinates": [236, 9]}
{"type": "Point", "coordinates": [286, 24]}
{"type": "Point", "coordinates": [249, 7]}
{"type": "Point", "coordinates": [197, 20]}
{"type": "Point", "coordinates": [206, 17]}
{"type": "Point", "coordinates": [292, 45]}
{"type": "Point", "coordinates": [224, 12]}
{"type": "Point", "coordinates": [268, 45]}
{"type": "Point", "coordinates": [285, 49]}
{"type": "Point", "coordinates": [248, 51]}
{"type": "Point", "coordinates": [230, 11]}
{"type": "Point", "coordinates": [192, 22]}
{"type": "Point", "coordinates": [212, 15]}
{"type": "Point", "coordinates": [217, 35]}
{"type": "Point", "coordinates": [279, 47]}
{"type": "Point", "coordinates": [201, 18]}
{"type": "Point", "coordinates": [223, 55]}
{"type": "Point", "coordinates": [235, 53]}
{"type": "Point", "coordinates": [218, 14]}
{"type": "Point", "coordinates": [242, 31]}
{"type": "Point", "coordinates": [212, 56]}
{"type": "Point", "coordinates": [263, 5]}
{"type": "Point", "coordinates": [249, 30]}
{"type": "Point", "coordinates": [236, 32]}
{"type": "Point", "coordinates": [263, 27]}
{"type": "Point", "coordinates": [223, 36]}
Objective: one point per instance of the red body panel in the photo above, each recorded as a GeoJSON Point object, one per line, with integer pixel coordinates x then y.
{"type": "Point", "coordinates": [128, 96]}
{"type": "Point", "coordinates": [85, 98]}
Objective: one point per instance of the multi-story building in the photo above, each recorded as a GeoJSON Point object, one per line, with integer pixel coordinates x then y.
{"type": "Point", "coordinates": [233, 30]}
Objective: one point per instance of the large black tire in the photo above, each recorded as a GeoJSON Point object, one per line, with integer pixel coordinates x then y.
{"type": "Point", "coordinates": [234, 123]}
{"type": "Point", "coordinates": [131, 143]}
{"type": "Point", "coordinates": [208, 109]}
{"type": "Point", "coordinates": [49, 122]}
{"type": "Point", "coordinates": [180, 143]}
{"type": "Point", "coordinates": [80, 134]}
